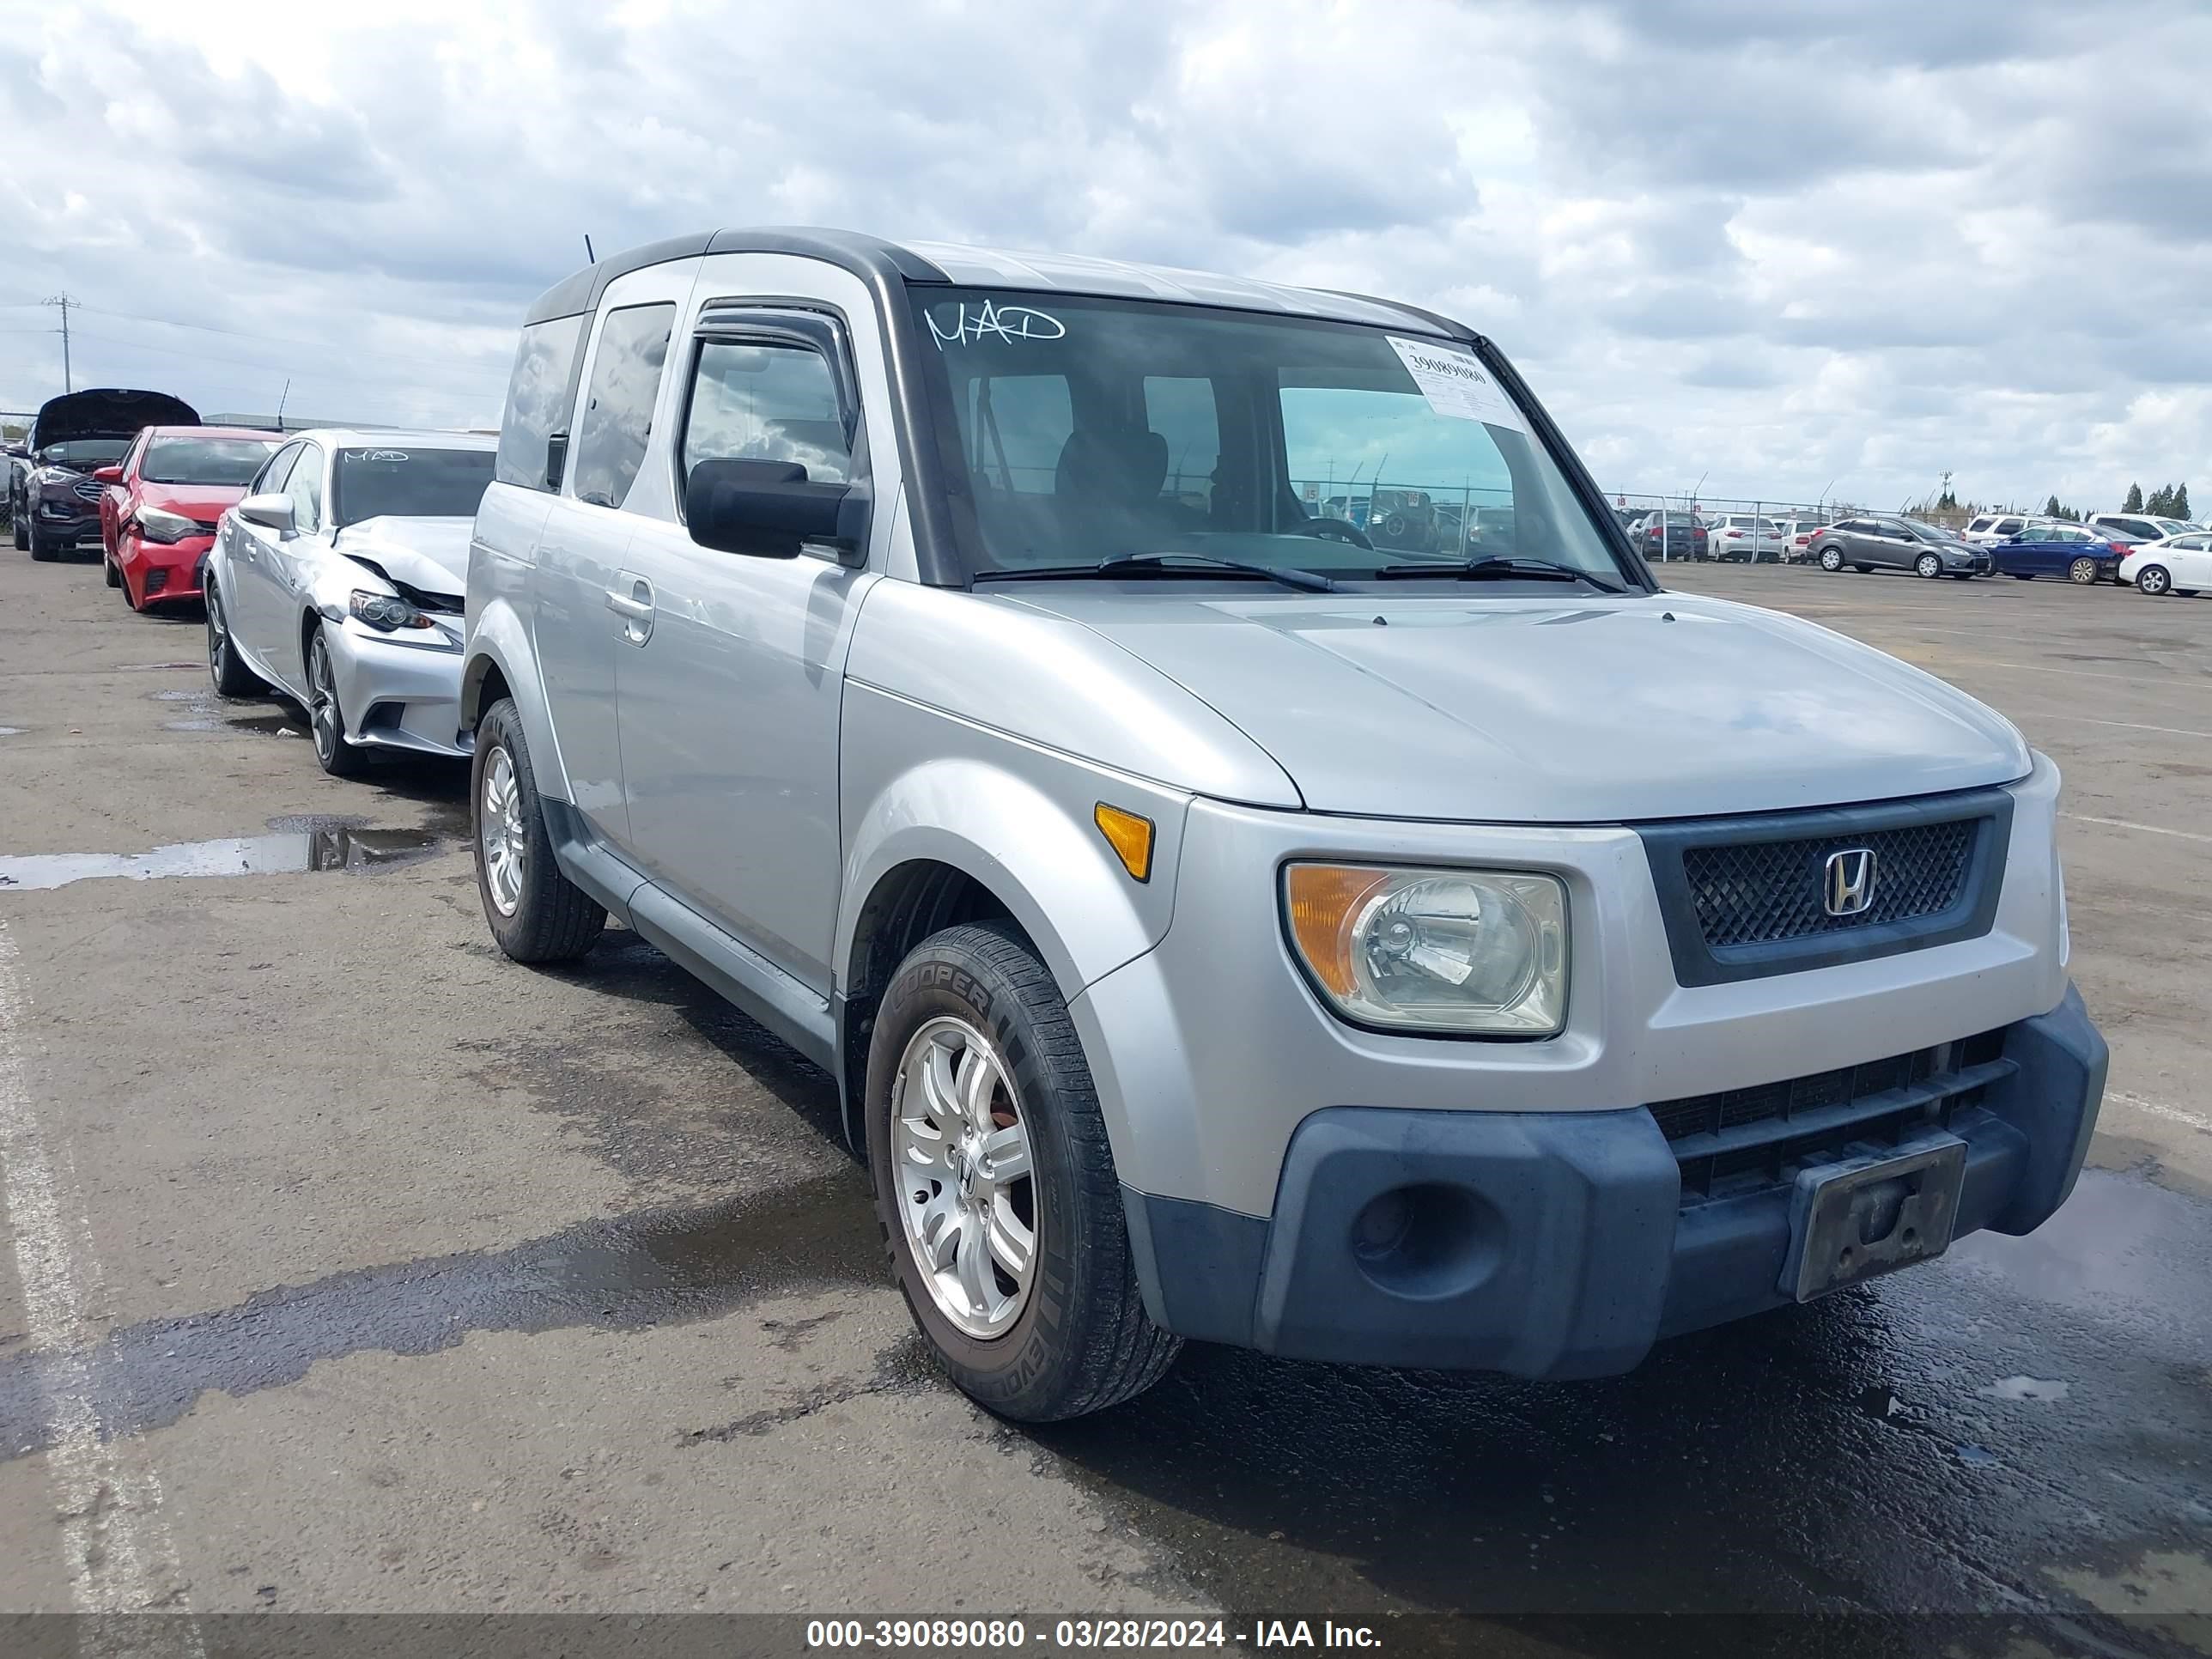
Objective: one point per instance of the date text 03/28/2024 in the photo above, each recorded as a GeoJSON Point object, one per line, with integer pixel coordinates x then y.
{"type": "Point", "coordinates": [1082, 1633]}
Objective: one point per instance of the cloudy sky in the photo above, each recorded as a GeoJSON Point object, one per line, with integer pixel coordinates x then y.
{"type": "Point", "coordinates": [1774, 244]}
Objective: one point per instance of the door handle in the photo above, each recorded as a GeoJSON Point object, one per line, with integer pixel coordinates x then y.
{"type": "Point", "coordinates": [636, 608]}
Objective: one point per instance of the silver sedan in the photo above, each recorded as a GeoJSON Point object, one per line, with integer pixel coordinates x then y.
{"type": "Point", "coordinates": [339, 582]}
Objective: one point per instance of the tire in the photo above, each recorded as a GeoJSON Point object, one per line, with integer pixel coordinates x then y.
{"type": "Point", "coordinates": [113, 575]}
{"type": "Point", "coordinates": [550, 919]}
{"type": "Point", "coordinates": [2082, 573]}
{"type": "Point", "coordinates": [1074, 1339]}
{"type": "Point", "coordinates": [2155, 580]}
{"type": "Point", "coordinates": [42, 550]}
{"type": "Point", "coordinates": [326, 717]}
{"type": "Point", "coordinates": [1832, 560]}
{"type": "Point", "coordinates": [232, 678]}
{"type": "Point", "coordinates": [1863, 569]}
{"type": "Point", "coordinates": [1928, 566]}
{"type": "Point", "coordinates": [22, 532]}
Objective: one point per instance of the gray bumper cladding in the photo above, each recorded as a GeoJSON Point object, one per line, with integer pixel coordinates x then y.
{"type": "Point", "coordinates": [1555, 1244]}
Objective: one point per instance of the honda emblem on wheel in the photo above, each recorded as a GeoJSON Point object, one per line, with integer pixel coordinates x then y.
{"type": "Point", "coordinates": [1848, 888]}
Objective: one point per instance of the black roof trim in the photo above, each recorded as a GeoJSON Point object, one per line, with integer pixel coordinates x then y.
{"type": "Point", "coordinates": [1442, 324]}
{"type": "Point", "coordinates": [863, 256]}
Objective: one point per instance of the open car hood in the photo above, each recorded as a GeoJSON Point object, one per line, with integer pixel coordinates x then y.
{"type": "Point", "coordinates": [106, 412]}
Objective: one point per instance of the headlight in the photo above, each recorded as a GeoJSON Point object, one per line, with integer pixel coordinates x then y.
{"type": "Point", "coordinates": [1463, 951]}
{"type": "Point", "coordinates": [157, 525]}
{"type": "Point", "coordinates": [384, 611]}
{"type": "Point", "coordinates": [51, 475]}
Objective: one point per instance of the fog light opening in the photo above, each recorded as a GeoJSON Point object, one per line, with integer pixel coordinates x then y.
{"type": "Point", "coordinates": [1427, 1240]}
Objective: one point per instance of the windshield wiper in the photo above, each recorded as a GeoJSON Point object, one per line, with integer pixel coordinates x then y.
{"type": "Point", "coordinates": [1493, 567]}
{"type": "Point", "coordinates": [1156, 564]}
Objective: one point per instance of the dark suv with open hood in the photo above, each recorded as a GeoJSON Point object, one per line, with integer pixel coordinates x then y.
{"type": "Point", "coordinates": [55, 502]}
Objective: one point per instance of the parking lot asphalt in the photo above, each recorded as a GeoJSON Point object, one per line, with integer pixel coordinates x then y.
{"type": "Point", "coordinates": [350, 1266]}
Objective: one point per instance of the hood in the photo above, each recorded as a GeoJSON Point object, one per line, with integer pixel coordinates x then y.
{"type": "Point", "coordinates": [1561, 710]}
{"type": "Point", "coordinates": [429, 554]}
{"type": "Point", "coordinates": [108, 412]}
{"type": "Point", "coordinates": [205, 503]}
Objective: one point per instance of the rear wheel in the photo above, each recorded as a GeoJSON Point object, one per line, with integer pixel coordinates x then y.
{"type": "Point", "coordinates": [995, 1187]}
{"type": "Point", "coordinates": [536, 913]}
{"type": "Point", "coordinates": [1831, 560]}
{"type": "Point", "coordinates": [340, 756]}
{"type": "Point", "coordinates": [2082, 571]}
{"type": "Point", "coordinates": [2153, 580]}
{"type": "Point", "coordinates": [232, 678]}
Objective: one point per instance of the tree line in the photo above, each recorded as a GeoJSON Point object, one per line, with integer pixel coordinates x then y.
{"type": "Point", "coordinates": [2166, 501]}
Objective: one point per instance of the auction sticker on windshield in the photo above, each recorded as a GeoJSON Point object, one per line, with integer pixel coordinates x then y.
{"type": "Point", "coordinates": [1455, 384]}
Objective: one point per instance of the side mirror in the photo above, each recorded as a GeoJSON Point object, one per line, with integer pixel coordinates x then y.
{"type": "Point", "coordinates": [771, 509]}
{"type": "Point", "coordinates": [107, 475]}
{"type": "Point", "coordinates": [271, 512]}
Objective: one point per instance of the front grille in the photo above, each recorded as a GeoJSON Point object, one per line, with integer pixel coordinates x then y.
{"type": "Point", "coordinates": [1763, 892]}
{"type": "Point", "coordinates": [1761, 1134]}
{"type": "Point", "coordinates": [86, 491]}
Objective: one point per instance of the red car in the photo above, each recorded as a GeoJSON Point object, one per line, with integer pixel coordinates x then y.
{"type": "Point", "coordinates": [158, 512]}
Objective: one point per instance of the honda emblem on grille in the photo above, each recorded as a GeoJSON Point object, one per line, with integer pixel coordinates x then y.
{"type": "Point", "coordinates": [1848, 887]}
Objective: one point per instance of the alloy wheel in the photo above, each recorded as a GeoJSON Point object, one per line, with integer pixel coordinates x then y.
{"type": "Point", "coordinates": [500, 837]}
{"type": "Point", "coordinates": [2154, 581]}
{"type": "Point", "coordinates": [967, 1200]}
{"type": "Point", "coordinates": [323, 702]}
{"type": "Point", "coordinates": [2083, 571]}
{"type": "Point", "coordinates": [218, 636]}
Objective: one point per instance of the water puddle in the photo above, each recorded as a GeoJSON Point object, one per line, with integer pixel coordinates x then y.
{"type": "Point", "coordinates": [202, 711]}
{"type": "Point", "coordinates": [293, 846]}
{"type": "Point", "coordinates": [670, 1266]}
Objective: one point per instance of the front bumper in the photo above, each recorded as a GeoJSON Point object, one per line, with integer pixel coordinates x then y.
{"type": "Point", "coordinates": [396, 695]}
{"type": "Point", "coordinates": [161, 571]}
{"type": "Point", "coordinates": [66, 518]}
{"type": "Point", "coordinates": [1557, 1244]}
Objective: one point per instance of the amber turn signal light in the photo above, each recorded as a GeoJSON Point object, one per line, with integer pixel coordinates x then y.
{"type": "Point", "coordinates": [1129, 835]}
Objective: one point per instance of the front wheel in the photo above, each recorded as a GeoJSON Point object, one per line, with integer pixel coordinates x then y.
{"type": "Point", "coordinates": [1831, 560]}
{"type": "Point", "coordinates": [535, 912]}
{"type": "Point", "coordinates": [232, 678]}
{"type": "Point", "coordinates": [2153, 580]}
{"type": "Point", "coordinates": [44, 551]}
{"type": "Point", "coordinates": [2082, 573]}
{"type": "Point", "coordinates": [1928, 565]}
{"type": "Point", "coordinates": [113, 575]}
{"type": "Point", "coordinates": [338, 755]}
{"type": "Point", "coordinates": [995, 1187]}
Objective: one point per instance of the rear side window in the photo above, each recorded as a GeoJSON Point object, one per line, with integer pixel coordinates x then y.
{"type": "Point", "coordinates": [617, 412]}
{"type": "Point", "coordinates": [537, 398]}
{"type": "Point", "coordinates": [766, 401]}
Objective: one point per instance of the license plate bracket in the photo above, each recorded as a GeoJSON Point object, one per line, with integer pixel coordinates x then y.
{"type": "Point", "coordinates": [1872, 1214]}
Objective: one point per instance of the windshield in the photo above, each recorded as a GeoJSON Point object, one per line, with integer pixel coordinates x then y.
{"type": "Point", "coordinates": [84, 453]}
{"type": "Point", "coordinates": [212, 461]}
{"type": "Point", "coordinates": [1094, 429]}
{"type": "Point", "coordinates": [408, 482]}
{"type": "Point", "coordinates": [1930, 532]}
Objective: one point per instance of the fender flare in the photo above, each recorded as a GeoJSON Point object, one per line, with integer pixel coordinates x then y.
{"type": "Point", "coordinates": [497, 639]}
{"type": "Point", "coordinates": [1051, 869]}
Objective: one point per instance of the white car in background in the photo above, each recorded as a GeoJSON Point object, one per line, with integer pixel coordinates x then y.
{"type": "Point", "coordinates": [1798, 538]}
{"type": "Point", "coordinates": [2178, 564]}
{"type": "Point", "coordinates": [2144, 527]}
{"type": "Point", "coordinates": [1989, 528]}
{"type": "Point", "coordinates": [1744, 536]}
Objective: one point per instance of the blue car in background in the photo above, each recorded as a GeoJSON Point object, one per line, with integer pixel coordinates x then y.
{"type": "Point", "coordinates": [2050, 548]}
